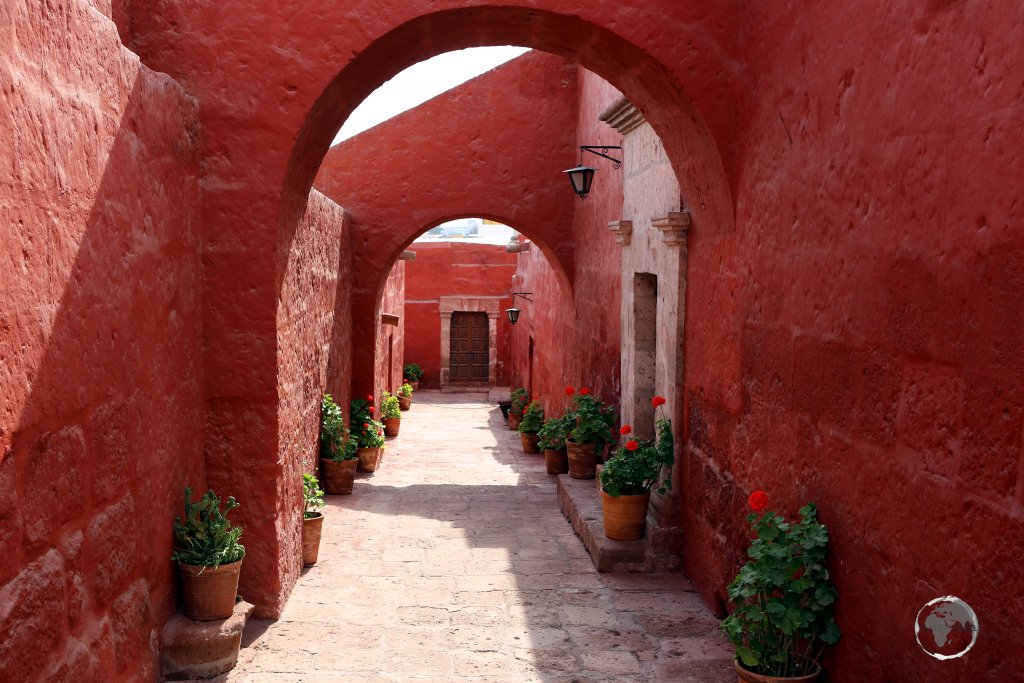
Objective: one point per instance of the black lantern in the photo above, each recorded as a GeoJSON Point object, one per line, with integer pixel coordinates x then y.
{"type": "Point", "coordinates": [513, 315]}
{"type": "Point", "coordinates": [582, 177]}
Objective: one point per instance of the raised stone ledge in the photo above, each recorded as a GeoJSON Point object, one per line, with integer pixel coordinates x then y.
{"type": "Point", "coordinates": [202, 649]}
{"type": "Point", "coordinates": [518, 247]}
{"type": "Point", "coordinates": [623, 231]}
{"type": "Point", "coordinates": [673, 227]}
{"type": "Point", "coordinates": [407, 256]}
{"type": "Point", "coordinates": [622, 116]}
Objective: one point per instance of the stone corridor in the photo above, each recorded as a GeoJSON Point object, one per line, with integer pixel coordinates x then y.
{"type": "Point", "coordinates": [452, 562]}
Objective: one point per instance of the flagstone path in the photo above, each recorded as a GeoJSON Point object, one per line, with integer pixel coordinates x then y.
{"type": "Point", "coordinates": [453, 563]}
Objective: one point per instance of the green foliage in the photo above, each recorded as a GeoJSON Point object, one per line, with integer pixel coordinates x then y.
{"type": "Point", "coordinates": [412, 372]}
{"type": "Point", "coordinates": [312, 496]}
{"type": "Point", "coordinates": [369, 432]}
{"type": "Point", "coordinates": [553, 432]}
{"type": "Point", "coordinates": [519, 400]}
{"type": "Point", "coordinates": [205, 537]}
{"type": "Point", "coordinates": [783, 596]}
{"type": "Point", "coordinates": [632, 473]}
{"type": "Point", "coordinates": [591, 420]}
{"type": "Point", "coordinates": [389, 407]}
{"type": "Point", "coordinates": [533, 418]}
{"type": "Point", "coordinates": [405, 391]}
{"type": "Point", "coordinates": [334, 435]}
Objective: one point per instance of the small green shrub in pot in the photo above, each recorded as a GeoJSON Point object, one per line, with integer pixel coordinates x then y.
{"type": "Point", "coordinates": [312, 496]}
{"type": "Point", "coordinates": [205, 536]}
{"type": "Point", "coordinates": [405, 391]}
{"type": "Point", "coordinates": [368, 430]}
{"type": "Point", "coordinates": [591, 419]}
{"type": "Point", "coordinates": [389, 408]}
{"type": "Point", "coordinates": [335, 444]}
{"type": "Point", "coordinates": [519, 400]}
{"type": "Point", "coordinates": [412, 372]}
{"type": "Point", "coordinates": [636, 465]}
{"type": "Point", "coordinates": [552, 433]}
{"type": "Point", "coordinates": [533, 418]}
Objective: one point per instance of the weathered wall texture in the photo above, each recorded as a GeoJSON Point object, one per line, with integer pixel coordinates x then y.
{"type": "Point", "coordinates": [100, 345]}
{"type": "Point", "coordinates": [461, 269]}
{"type": "Point", "coordinates": [308, 314]}
{"type": "Point", "coordinates": [390, 344]}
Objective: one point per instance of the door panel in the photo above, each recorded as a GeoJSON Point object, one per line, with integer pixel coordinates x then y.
{"type": "Point", "coordinates": [470, 347]}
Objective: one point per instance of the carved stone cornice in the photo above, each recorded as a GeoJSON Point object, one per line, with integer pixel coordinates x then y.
{"type": "Point", "coordinates": [407, 256]}
{"type": "Point", "coordinates": [389, 319]}
{"type": "Point", "coordinates": [623, 231]}
{"type": "Point", "coordinates": [518, 247]}
{"type": "Point", "coordinates": [673, 227]}
{"type": "Point", "coordinates": [622, 116]}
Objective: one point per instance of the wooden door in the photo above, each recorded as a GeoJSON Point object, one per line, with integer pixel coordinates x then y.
{"type": "Point", "coordinates": [470, 347]}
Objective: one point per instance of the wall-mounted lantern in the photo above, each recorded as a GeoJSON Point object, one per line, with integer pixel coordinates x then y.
{"type": "Point", "coordinates": [582, 177]}
{"type": "Point", "coordinates": [513, 313]}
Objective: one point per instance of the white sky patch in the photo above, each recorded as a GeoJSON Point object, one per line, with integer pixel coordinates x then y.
{"type": "Point", "coordinates": [423, 81]}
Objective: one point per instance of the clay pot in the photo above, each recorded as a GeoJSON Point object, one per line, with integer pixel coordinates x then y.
{"type": "Point", "coordinates": [415, 385]}
{"type": "Point", "coordinates": [529, 442]}
{"type": "Point", "coordinates": [391, 425]}
{"type": "Point", "coordinates": [514, 419]}
{"type": "Point", "coordinates": [557, 461]}
{"type": "Point", "coordinates": [338, 477]}
{"type": "Point", "coordinates": [209, 592]}
{"type": "Point", "coordinates": [582, 459]}
{"type": "Point", "coordinates": [746, 676]}
{"type": "Point", "coordinates": [404, 403]}
{"type": "Point", "coordinates": [311, 527]}
{"type": "Point", "coordinates": [624, 516]}
{"type": "Point", "coordinates": [368, 458]}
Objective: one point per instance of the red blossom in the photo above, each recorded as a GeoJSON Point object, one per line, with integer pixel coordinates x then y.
{"type": "Point", "coordinates": [625, 429]}
{"type": "Point", "coordinates": [584, 391]}
{"type": "Point", "coordinates": [658, 401]}
{"type": "Point", "coordinates": [366, 425]}
{"type": "Point", "coordinates": [758, 501]}
{"type": "Point", "coordinates": [569, 391]}
{"type": "Point", "coordinates": [380, 432]}
{"type": "Point", "coordinates": [369, 398]}
{"type": "Point", "coordinates": [632, 445]}
{"type": "Point", "coordinates": [371, 410]}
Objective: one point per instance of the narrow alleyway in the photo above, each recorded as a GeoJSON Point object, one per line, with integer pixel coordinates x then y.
{"type": "Point", "coordinates": [452, 562]}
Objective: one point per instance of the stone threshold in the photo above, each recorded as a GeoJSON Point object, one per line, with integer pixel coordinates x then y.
{"type": "Point", "coordinates": [659, 550]}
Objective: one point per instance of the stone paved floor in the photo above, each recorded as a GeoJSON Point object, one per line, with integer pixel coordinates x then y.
{"type": "Point", "coordinates": [453, 563]}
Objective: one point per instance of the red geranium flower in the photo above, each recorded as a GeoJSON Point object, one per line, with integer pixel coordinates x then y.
{"type": "Point", "coordinates": [625, 429]}
{"type": "Point", "coordinates": [584, 391]}
{"type": "Point", "coordinates": [658, 401]}
{"type": "Point", "coordinates": [632, 445]}
{"type": "Point", "coordinates": [569, 391]}
{"type": "Point", "coordinates": [369, 397]}
{"type": "Point", "coordinates": [366, 425]}
{"type": "Point", "coordinates": [758, 501]}
{"type": "Point", "coordinates": [371, 410]}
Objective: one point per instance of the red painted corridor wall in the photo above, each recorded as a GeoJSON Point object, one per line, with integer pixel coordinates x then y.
{"type": "Point", "coordinates": [465, 269]}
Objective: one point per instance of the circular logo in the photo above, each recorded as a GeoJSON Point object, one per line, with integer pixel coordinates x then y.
{"type": "Point", "coordinates": [946, 627]}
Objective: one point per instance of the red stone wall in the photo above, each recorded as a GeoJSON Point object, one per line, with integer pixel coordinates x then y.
{"type": "Point", "coordinates": [314, 303]}
{"type": "Point", "coordinates": [101, 422]}
{"type": "Point", "coordinates": [391, 338]}
{"type": "Point", "coordinates": [454, 269]}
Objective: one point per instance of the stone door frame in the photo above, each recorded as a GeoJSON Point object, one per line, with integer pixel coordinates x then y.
{"type": "Point", "coordinates": [447, 305]}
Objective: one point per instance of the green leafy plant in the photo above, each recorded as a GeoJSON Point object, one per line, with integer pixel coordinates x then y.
{"type": "Point", "coordinates": [369, 432]}
{"type": "Point", "coordinates": [412, 372]}
{"type": "Point", "coordinates": [405, 391]}
{"type": "Point", "coordinates": [783, 597]}
{"type": "Point", "coordinates": [519, 400]}
{"type": "Point", "coordinates": [553, 432]}
{"type": "Point", "coordinates": [312, 496]}
{"type": "Point", "coordinates": [636, 465]}
{"type": "Point", "coordinates": [591, 419]}
{"type": "Point", "coordinates": [334, 435]}
{"type": "Point", "coordinates": [389, 408]}
{"type": "Point", "coordinates": [533, 418]}
{"type": "Point", "coordinates": [205, 537]}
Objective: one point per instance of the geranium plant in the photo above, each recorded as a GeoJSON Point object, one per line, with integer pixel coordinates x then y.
{"type": "Point", "coordinates": [519, 400]}
{"type": "Point", "coordinates": [312, 496]}
{"type": "Point", "coordinates": [412, 372]}
{"type": "Point", "coordinates": [783, 597]}
{"type": "Point", "coordinates": [334, 435]}
{"type": "Point", "coordinates": [636, 465]}
{"type": "Point", "coordinates": [369, 431]}
{"type": "Point", "coordinates": [533, 418]}
{"type": "Point", "coordinates": [552, 433]}
{"type": "Point", "coordinates": [591, 419]}
{"type": "Point", "coordinates": [389, 408]}
{"type": "Point", "coordinates": [405, 391]}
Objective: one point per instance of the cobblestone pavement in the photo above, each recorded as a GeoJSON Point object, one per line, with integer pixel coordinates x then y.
{"type": "Point", "coordinates": [453, 563]}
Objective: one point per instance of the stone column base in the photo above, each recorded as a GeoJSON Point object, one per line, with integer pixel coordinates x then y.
{"type": "Point", "coordinates": [202, 649]}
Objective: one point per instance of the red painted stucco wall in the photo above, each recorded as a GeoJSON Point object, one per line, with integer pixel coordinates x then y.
{"type": "Point", "coordinates": [390, 342]}
{"type": "Point", "coordinates": [465, 269]}
{"type": "Point", "coordinates": [101, 420]}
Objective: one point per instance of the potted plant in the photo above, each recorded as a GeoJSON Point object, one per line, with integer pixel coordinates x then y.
{"type": "Point", "coordinates": [337, 450]}
{"type": "Point", "coordinates": [312, 518]}
{"type": "Point", "coordinates": [783, 598]}
{"type": "Point", "coordinates": [551, 438]}
{"type": "Point", "coordinates": [533, 420]}
{"type": "Point", "coordinates": [390, 414]}
{"type": "Point", "coordinates": [412, 373]}
{"type": "Point", "coordinates": [369, 435]}
{"type": "Point", "coordinates": [627, 479]}
{"type": "Point", "coordinates": [591, 422]}
{"type": "Point", "coordinates": [209, 557]}
{"type": "Point", "coordinates": [515, 413]}
{"type": "Point", "coordinates": [405, 396]}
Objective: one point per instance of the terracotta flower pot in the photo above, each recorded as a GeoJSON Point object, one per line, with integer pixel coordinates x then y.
{"type": "Point", "coordinates": [338, 477]}
{"type": "Point", "coordinates": [391, 425]}
{"type": "Point", "coordinates": [209, 592]}
{"type": "Point", "coordinates": [415, 385]}
{"type": "Point", "coordinates": [582, 459]}
{"type": "Point", "coordinates": [514, 419]}
{"type": "Point", "coordinates": [744, 675]}
{"type": "Point", "coordinates": [368, 458]}
{"type": "Point", "coordinates": [556, 461]}
{"type": "Point", "coordinates": [311, 528]}
{"type": "Point", "coordinates": [529, 442]}
{"type": "Point", "coordinates": [624, 516]}
{"type": "Point", "coordinates": [404, 403]}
